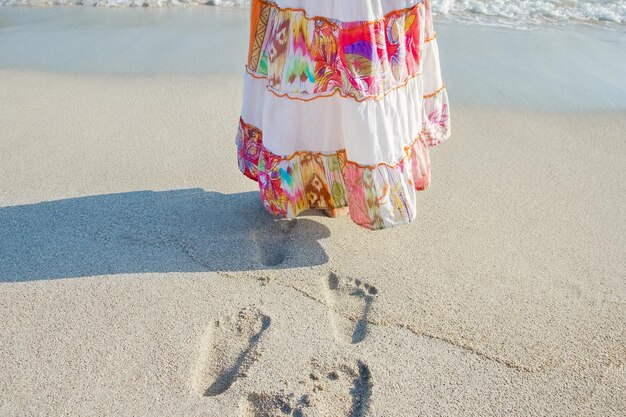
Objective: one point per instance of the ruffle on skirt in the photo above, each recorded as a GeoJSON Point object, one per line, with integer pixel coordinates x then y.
{"type": "Point", "coordinates": [341, 113]}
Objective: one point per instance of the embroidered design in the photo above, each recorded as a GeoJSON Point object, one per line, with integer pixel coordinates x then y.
{"type": "Point", "coordinates": [436, 124]}
{"type": "Point", "coordinates": [313, 55]}
{"type": "Point", "coordinates": [260, 15]}
{"type": "Point", "coordinates": [379, 196]}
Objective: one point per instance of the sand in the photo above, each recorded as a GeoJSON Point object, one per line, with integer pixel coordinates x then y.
{"type": "Point", "coordinates": [140, 275]}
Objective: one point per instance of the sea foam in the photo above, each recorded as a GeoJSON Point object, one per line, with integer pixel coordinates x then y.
{"type": "Point", "coordinates": [512, 13]}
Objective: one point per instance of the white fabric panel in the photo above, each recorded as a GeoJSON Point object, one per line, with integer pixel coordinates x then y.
{"type": "Point", "coordinates": [348, 10]}
{"type": "Point", "coordinates": [431, 67]}
{"type": "Point", "coordinates": [372, 131]}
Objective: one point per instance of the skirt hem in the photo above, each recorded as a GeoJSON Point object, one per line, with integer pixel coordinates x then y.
{"type": "Point", "coordinates": [378, 196]}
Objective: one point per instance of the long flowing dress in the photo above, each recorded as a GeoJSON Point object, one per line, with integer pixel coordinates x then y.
{"type": "Point", "coordinates": [342, 100]}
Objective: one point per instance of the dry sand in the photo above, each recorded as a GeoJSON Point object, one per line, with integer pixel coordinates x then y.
{"type": "Point", "coordinates": [141, 276]}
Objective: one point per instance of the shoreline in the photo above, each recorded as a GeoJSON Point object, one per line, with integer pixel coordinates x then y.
{"type": "Point", "coordinates": [540, 69]}
{"type": "Point", "coordinates": [445, 15]}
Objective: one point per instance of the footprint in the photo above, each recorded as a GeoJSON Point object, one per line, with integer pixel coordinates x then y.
{"type": "Point", "coordinates": [362, 392]}
{"type": "Point", "coordinates": [228, 349]}
{"type": "Point", "coordinates": [350, 302]}
{"type": "Point", "coordinates": [269, 405]}
{"type": "Point", "coordinates": [271, 244]}
{"type": "Point", "coordinates": [335, 390]}
{"type": "Point", "coordinates": [339, 389]}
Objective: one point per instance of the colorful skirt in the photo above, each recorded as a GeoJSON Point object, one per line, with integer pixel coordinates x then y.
{"type": "Point", "coordinates": [342, 100]}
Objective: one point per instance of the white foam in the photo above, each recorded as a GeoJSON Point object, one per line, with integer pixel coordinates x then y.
{"type": "Point", "coordinates": [231, 3]}
{"type": "Point", "coordinates": [512, 13]}
{"type": "Point", "coordinates": [524, 12]}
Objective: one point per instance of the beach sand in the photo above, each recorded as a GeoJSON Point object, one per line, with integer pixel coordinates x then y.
{"type": "Point", "coordinates": [140, 275]}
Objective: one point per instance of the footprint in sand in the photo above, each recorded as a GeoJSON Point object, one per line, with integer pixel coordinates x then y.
{"type": "Point", "coordinates": [271, 244]}
{"type": "Point", "coordinates": [341, 390]}
{"type": "Point", "coordinates": [269, 405]}
{"type": "Point", "coordinates": [337, 390]}
{"type": "Point", "coordinates": [350, 301]}
{"type": "Point", "coordinates": [228, 349]}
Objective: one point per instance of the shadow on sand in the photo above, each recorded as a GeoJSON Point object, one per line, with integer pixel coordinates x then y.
{"type": "Point", "coordinates": [145, 231]}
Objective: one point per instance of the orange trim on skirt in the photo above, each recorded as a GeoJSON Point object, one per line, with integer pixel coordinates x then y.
{"type": "Point", "coordinates": [254, 20]}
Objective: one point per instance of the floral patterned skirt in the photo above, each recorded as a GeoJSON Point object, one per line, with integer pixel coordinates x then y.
{"type": "Point", "coordinates": [342, 100]}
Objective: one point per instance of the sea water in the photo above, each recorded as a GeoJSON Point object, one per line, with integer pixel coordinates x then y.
{"type": "Point", "coordinates": [552, 67]}
{"type": "Point", "coordinates": [521, 14]}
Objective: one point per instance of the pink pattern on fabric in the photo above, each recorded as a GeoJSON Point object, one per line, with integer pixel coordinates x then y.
{"type": "Point", "coordinates": [313, 55]}
{"type": "Point", "coordinates": [379, 195]}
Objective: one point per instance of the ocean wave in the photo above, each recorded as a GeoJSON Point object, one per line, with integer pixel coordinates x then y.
{"type": "Point", "coordinates": [534, 12]}
{"type": "Point", "coordinates": [514, 13]}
